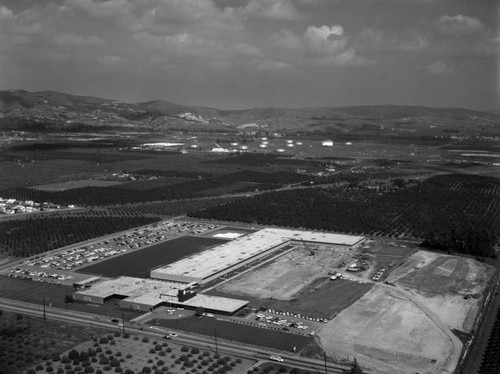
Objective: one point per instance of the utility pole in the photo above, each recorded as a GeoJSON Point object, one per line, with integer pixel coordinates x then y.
{"type": "Point", "coordinates": [324, 356]}
{"type": "Point", "coordinates": [123, 323]}
{"type": "Point", "coordinates": [215, 334]}
{"type": "Point", "coordinates": [44, 316]}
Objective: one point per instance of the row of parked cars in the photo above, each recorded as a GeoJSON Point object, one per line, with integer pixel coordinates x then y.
{"type": "Point", "coordinates": [85, 254]}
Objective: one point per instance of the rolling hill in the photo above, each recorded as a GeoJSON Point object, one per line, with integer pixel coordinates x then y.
{"type": "Point", "coordinates": [47, 110]}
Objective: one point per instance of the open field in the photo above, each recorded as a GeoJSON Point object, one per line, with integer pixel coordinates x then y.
{"type": "Point", "coordinates": [388, 333]}
{"type": "Point", "coordinates": [139, 263]}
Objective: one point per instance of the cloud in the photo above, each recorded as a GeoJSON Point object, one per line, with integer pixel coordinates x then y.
{"type": "Point", "coordinates": [107, 8]}
{"type": "Point", "coordinates": [111, 60]}
{"type": "Point", "coordinates": [440, 67]}
{"type": "Point", "coordinates": [408, 40]}
{"type": "Point", "coordinates": [5, 13]}
{"type": "Point", "coordinates": [461, 25]}
{"type": "Point", "coordinates": [272, 9]}
{"type": "Point", "coordinates": [271, 66]}
{"type": "Point", "coordinates": [73, 40]}
{"type": "Point", "coordinates": [318, 45]}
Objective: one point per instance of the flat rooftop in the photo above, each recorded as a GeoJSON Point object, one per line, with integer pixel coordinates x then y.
{"type": "Point", "coordinates": [153, 292]}
{"type": "Point", "coordinates": [131, 287]}
{"type": "Point", "coordinates": [216, 259]}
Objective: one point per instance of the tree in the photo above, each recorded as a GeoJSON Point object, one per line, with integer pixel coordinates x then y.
{"type": "Point", "coordinates": [69, 299]}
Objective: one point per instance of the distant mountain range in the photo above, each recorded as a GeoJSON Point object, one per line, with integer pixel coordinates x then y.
{"type": "Point", "coordinates": [47, 111]}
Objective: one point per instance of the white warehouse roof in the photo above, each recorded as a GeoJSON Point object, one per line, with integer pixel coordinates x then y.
{"type": "Point", "coordinates": [211, 261]}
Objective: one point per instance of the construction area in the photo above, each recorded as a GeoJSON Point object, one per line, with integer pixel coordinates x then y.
{"type": "Point", "coordinates": [412, 316]}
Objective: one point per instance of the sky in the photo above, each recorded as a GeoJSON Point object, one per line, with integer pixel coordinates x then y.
{"type": "Point", "coordinates": [235, 54]}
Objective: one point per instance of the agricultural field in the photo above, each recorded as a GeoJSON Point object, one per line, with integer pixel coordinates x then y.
{"type": "Point", "coordinates": [25, 341]}
{"type": "Point", "coordinates": [76, 184]}
{"type": "Point", "coordinates": [446, 212]}
{"type": "Point", "coordinates": [134, 354]}
{"type": "Point", "coordinates": [28, 237]}
{"type": "Point", "coordinates": [140, 262]}
{"type": "Point", "coordinates": [491, 359]}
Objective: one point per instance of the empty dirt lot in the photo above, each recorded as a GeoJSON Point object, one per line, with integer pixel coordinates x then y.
{"type": "Point", "coordinates": [452, 287]}
{"type": "Point", "coordinates": [383, 317]}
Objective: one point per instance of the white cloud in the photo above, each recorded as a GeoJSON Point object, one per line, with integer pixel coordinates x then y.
{"type": "Point", "coordinates": [323, 45]}
{"type": "Point", "coordinates": [461, 25]}
{"type": "Point", "coordinates": [5, 13]}
{"type": "Point", "coordinates": [440, 67]}
{"type": "Point", "coordinates": [111, 60]}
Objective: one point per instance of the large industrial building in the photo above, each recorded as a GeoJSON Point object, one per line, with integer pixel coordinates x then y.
{"type": "Point", "coordinates": [148, 294]}
{"type": "Point", "coordinates": [175, 284]}
{"type": "Point", "coordinates": [220, 260]}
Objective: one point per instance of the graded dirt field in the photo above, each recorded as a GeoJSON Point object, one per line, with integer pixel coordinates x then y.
{"type": "Point", "coordinates": [452, 287]}
{"type": "Point", "coordinates": [286, 275]}
{"type": "Point", "coordinates": [384, 317]}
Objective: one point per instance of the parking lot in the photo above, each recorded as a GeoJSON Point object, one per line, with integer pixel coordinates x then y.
{"type": "Point", "coordinates": [59, 267]}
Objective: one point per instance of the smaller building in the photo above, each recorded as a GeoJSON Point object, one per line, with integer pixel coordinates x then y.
{"type": "Point", "coordinates": [327, 143]}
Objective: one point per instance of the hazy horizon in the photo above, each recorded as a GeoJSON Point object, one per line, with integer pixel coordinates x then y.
{"type": "Point", "coordinates": [242, 54]}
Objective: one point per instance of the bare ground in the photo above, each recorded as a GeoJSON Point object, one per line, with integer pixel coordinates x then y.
{"type": "Point", "coordinates": [388, 334]}
{"type": "Point", "coordinates": [282, 278]}
{"type": "Point", "coordinates": [441, 282]}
